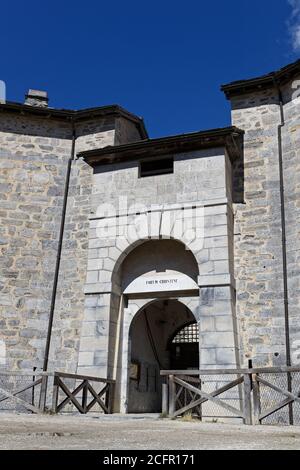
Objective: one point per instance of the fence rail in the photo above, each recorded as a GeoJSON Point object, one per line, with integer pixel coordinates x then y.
{"type": "Point", "coordinates": [20, 390]}
{"type": "Point", "coordinates": [88, 395]}
{"type": "Point", "coordinates": [30, 390]}
{"type": "Point", "coordinates": [257, 396]}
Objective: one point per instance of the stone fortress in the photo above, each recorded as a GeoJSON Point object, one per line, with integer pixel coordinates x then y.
{"type": "Point", "coordinates": [115, 247]}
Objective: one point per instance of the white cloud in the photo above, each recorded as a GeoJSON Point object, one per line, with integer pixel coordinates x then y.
{"type": "Point", "coordinates": [294, 24]}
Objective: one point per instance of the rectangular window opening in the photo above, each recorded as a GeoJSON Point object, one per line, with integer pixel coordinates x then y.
{"type": "Point", "coordinates": [156, 167]}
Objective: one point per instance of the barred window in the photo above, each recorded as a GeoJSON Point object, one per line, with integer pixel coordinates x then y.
{"type": "Point", "coordinates": [188, 334]}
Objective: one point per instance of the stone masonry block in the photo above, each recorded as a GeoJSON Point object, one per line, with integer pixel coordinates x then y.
{"type": "Point", "coordinates": [224, 323]}
{"type": "Point", "coordinates": [95, 264]}
{"type": "Point", "coordinates": [86, 358]}
{"type": "Point", "coordinates": [217, 340]}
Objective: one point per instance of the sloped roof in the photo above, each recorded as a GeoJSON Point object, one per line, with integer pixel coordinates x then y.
{"type": "Point", "coordinates": [229, 137]}
{"type": "Point", "coordinates": [75, 115]}
{"type": "Point", "coordinates": [279, 77]}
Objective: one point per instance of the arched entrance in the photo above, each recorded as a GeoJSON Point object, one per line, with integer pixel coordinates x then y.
{"type": "Point", "coordinates": [156, 293]}
{"type": "Point", "coordinates": [151, 348]}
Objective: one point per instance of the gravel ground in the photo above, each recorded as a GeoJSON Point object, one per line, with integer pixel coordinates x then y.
{"type": "Point", "coordinates": [28, 431]}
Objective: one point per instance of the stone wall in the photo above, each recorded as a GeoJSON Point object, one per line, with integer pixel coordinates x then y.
{"type": "Point", "coordinates": [291, 169]}
{"type": "Point", "coordinates": [95, 133]}
{"type": "Point", "coordinates": [126, 131]}
{"type": "Point", "coordinates": [258, 244]}
{"type": "Point", "coordinates": [33, 156]}
{"type": "Point", "coordinates": [198, 176]}
{"type": "Point", "coordinates": [72, 275]}
{"type": "Point", "coordinates": [69, 309]}
{"type": "Point", "coordinates": [34, 153]}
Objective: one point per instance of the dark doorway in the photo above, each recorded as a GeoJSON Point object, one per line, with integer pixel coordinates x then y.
{"type": "Point", "coordinates": [159, 340]}
{"type": "Point", "coordinates": [184, 348]}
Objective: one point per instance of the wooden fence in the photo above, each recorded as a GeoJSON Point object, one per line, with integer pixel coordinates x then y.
{"type": "Point", "coordinates": [256, 396]}
{"type": "Point", "coordinates": [30, 390]}
{"type": "Point", "coordinates": [21, 389]}
{"type": "Point", "coordinates": [255, 393]}
{"type": "Point", "coordinates": [89, 397]}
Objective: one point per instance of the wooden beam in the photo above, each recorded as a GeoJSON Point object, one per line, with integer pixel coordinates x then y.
{"type": "Point", "coordinates": [43, 393]}
{"type": "Point", "coordinates": [84, 396]}
{"type": "Point", "coordinates": [200, 401]}
{"type": "Point", "coordinates": [20, 401]}
{"type": "Point", "coordinates": [82, 377]}
{"type": "Point", "coordinates": [247, 399]}
{"type": "Point", "coordinates": [215, 400]}
{"type": "Point", "coordinates": [29, 373]}
{"type": "Point", "coordinates": [259, 370]}
{"type": "Point", "coordinates": [172, 392]}
{"type": "Point", "coordinates": [97, 398]}
{"type": "Point", "coordinates": [256, 399]}
{"type": "Point", "coordinates": [70, 396]}
{"type": "Point", "coordinates": [111, 396]}
{"type": "Point", "coordinates": [55, 394]}
{"type": "Point", "coordinates": [33, 384]}
{"type": "Point", "coordinates": [164, 406]}
{"type": "Point", "coordinates": [278, 389]}
{"type": "Point", "coordinates": [274, 408]}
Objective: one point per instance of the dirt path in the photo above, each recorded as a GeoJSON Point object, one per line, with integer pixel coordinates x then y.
{"type": "Point", "coordinates": [25, 431]}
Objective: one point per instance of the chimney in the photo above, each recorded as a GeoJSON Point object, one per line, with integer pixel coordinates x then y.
{"type": "Point", "coordinates": [36, 98]}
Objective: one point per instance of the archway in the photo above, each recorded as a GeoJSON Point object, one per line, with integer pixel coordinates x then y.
{"type": "Point", "coordinates": [150, 349]}
{"type": "Point", "coordinates": [149, 279]}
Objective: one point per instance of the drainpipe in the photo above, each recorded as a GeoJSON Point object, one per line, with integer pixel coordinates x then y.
{"type": "Point", "coordinates": [283, 244]}
{"type": "Point", "coordinates": [59, 250]}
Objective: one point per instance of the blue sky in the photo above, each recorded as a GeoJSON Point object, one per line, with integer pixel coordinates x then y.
{"type": "Point", "coordinates": [163, 60]}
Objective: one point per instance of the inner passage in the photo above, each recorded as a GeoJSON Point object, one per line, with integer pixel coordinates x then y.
{"type": "Point", "coordinates": [163, 335]}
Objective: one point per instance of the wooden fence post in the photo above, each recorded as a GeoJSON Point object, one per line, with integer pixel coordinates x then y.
{"type": "Point", "coordinates": [43, 393]}
{"type": "Point", "coordinates": [111, 395]}
{"type": "Point", "coordinates": [199, 408]}
{"type": "Point", "coordinates": [247, 399]}
{"type": "Point", "coordinates": [164, 404]}
{"type": "Point", "coordinates": [256, 400]}
{"type": "Point", "coordinates": [172, 392]}
{"type": "Point", "coordinates": [55, 394]}
{"type": "Point", "coordinates": [84, 396]}
{"type": "Point", "coordinates": [32, 394]}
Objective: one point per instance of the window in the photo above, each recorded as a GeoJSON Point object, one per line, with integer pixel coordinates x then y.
{"type": "Point", "coordinates": [188, 334]}
{"type": "Point", "coordinates": [156, 167]}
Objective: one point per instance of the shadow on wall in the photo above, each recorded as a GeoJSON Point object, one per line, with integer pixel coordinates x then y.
{"type": "Point", "coordinates": [158, 256]}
